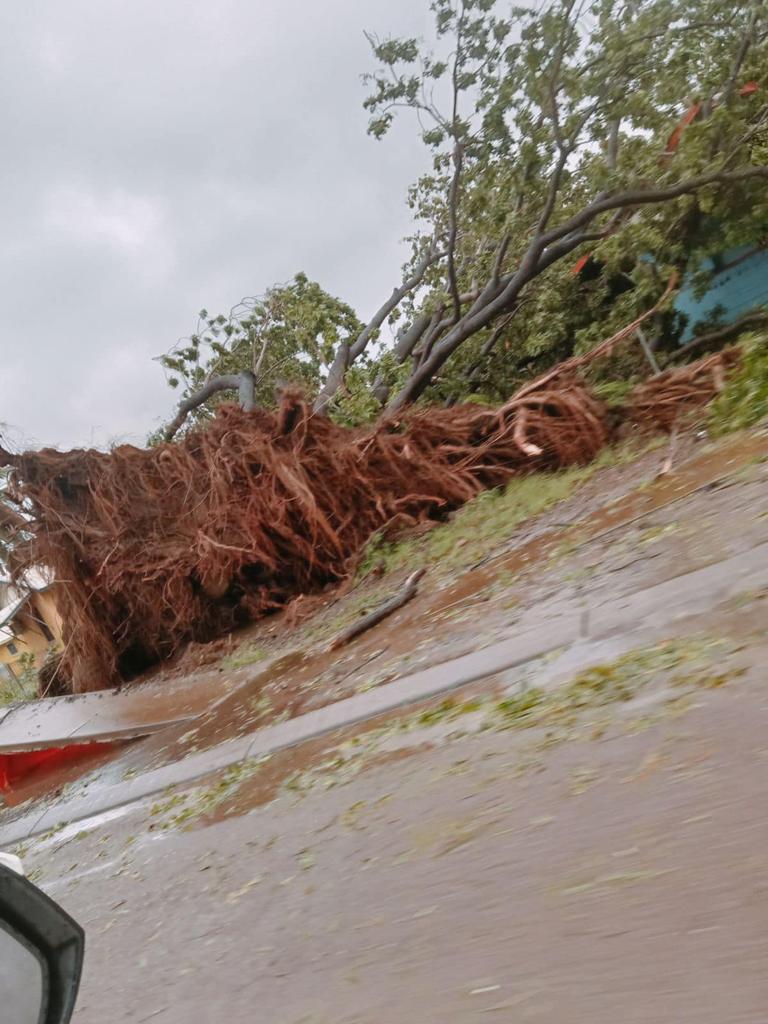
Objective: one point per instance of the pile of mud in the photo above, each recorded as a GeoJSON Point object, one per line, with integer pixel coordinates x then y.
{"type": "Point", "coordinates": [156, 547]}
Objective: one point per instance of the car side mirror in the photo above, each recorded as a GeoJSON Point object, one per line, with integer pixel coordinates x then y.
{"type": "Point", "coordinates": [41, 954]}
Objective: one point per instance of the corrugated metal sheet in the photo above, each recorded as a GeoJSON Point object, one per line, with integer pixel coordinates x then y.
{"type": "Point", "coordinates": [741, 286]}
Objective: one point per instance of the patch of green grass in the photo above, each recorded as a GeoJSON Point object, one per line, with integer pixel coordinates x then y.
{"type": "Point", "coordinates": [10, 692]}
{"type": "Point", "coordinates": [620, 679]}
{"type": "Point", "coordinates": [653, 534]}
{"type": "Point", "coordinates": [686, 664]}
{"type": "Point", "coordinates": [24, 687]}
{"type": "Point", "coordinates": [744, 401]}
{"type": "Point", "coordinates": [614, 392]}
{"type": "Point", "coordinates": [492, 517]}
{"type": "Point", "coordinates": [518, 709]}
{"type": "Point", "coordinates": [624, 452]}
{"type": "Point", "coordinates": [162, 807]}
{"type": "Point", "coordinates": [480, 525]}
{"type": "Point", "coordinates": [249, 654]}
{"type": "Point", "coordinates": [52, 832]}
{"type": "Point", "coordinates": [447, 709]}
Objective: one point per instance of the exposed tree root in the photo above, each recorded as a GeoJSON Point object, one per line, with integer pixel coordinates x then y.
{"type": "Point", "coordinates": [185, 541]}
{"type": "Point", "coordinates": [663, 400]}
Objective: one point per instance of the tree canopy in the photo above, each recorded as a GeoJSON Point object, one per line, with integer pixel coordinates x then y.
{"type": "Point", "coordinates": [288, 334]}
{"type": "Point", "coordinates": [633, 133]}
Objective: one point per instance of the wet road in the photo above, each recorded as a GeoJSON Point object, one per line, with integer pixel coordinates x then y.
{"type": "Point", "coordinates": [596, 851]}
{"type": "Point", "coordinates": [611, 868]}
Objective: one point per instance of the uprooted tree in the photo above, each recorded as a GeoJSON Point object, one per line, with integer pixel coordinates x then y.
{"type": "Point", "coordinates": [552, 133]}
{"type": "Point", "coordinates": [186, 540]}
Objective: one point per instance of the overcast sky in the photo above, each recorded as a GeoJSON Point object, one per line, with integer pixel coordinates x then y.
{"type": "Point", "coordinates": [164, 155]}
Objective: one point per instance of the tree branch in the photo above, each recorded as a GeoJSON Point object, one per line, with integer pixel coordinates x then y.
{"type": "Point", "coordinates": [501, 252]}
{"type": "Point", "coordinates": [644, 197]}
{"type": "Point", "coordinates": [347, 353]}
{"type": "Point", "coordinates": [335, 378]}
{"type": "Point", "coordinates": [757, 318]}
{"type": "Point", "coordinates": [412, 281]}
{"type": "Point", "coordinates": [226, 382]}
{"type": "Point", "coordinates": [554, 187]}
{"type": "Point", "coordinates": [564, 147]}
{"type": "Point", "coordinates": [745, 45]}
{"type": "Point", "coordinates": [246, 390]}
{"type": "Point", "coordinates": [405, 594]}
{"type": "Point", "coordinates": [407, 339]}
{"type": "Point", "coordinates": [458, 159]}
{"type": "Point", "coordinates": [543, 252]}
{"type": "Point", "coordinates": [453, 201]}
{"type": "Point", "coordinates": [612, 148]}
{"type": "Point", "coordinates": [488, 346]}
{"type": "Point", "coordinates": [257, 363]}
{"type": "Point", "coordinates": [437, 325]}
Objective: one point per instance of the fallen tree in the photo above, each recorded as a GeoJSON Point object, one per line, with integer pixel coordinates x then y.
{"type": "Point", "coordinates": [190, 539]}
{"type": "Point", "coordinates": [186, 540]}
{"type": "Point", "coordinates": [663, 401]}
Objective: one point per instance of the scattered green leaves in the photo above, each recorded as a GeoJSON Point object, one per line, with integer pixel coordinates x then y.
{"type": "Point", "coordinates": [744, 401]}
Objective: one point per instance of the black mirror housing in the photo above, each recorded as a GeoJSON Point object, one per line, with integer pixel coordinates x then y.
{"type": "Point", "coordinates": [58, 940]}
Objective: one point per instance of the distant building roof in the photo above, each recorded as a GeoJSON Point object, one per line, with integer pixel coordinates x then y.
{"type": "Point", "coordinates": [35, 580]}
{"type": "Point", "coordinates": [8, 614]}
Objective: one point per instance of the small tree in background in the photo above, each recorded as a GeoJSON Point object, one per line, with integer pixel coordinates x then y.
{"type": "Point", "coordinates": [289, 335]}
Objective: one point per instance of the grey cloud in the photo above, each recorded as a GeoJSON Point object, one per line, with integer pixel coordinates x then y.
{"type": "Point", "coordinates": [162, 157]}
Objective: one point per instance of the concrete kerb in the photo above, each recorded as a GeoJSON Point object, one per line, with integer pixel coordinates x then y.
{"type": "Point", "coordinates": [653, 607]}
{"type": "Point", "coordinates": [421, 686]}
{"type": "Point", "coordinates": [362, 707]}
{"type": "Point", "coordinates": [682, 596]}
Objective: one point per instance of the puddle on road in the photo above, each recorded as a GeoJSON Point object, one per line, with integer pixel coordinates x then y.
{"type": "Point", "coordinates": [625, 686]}
{"type": "Point", "coordinates": [317, 761]}
{"type": "Point", "coordinates": [329, 760]}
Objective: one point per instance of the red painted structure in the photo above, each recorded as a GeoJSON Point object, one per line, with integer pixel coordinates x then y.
{"type": "Point", "coordinates": [16, 767]}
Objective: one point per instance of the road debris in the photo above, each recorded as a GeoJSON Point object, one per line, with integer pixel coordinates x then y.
{"type": "Point", "coordinates": [403, 596]}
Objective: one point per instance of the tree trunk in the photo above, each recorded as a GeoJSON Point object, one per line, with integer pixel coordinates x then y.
{"type": "Point", "coordinates": [335, 378]}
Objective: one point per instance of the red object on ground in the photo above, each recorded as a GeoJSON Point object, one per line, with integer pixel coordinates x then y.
{"type": "Point", "coordinates": [14, 767]}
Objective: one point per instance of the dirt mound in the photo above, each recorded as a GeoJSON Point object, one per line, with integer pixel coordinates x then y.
{"type": "Point", "coordinates": [160, 546]}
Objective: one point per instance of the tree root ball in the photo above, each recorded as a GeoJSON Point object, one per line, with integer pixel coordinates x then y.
{"type": "Point", "coordinates": [153, 548]}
